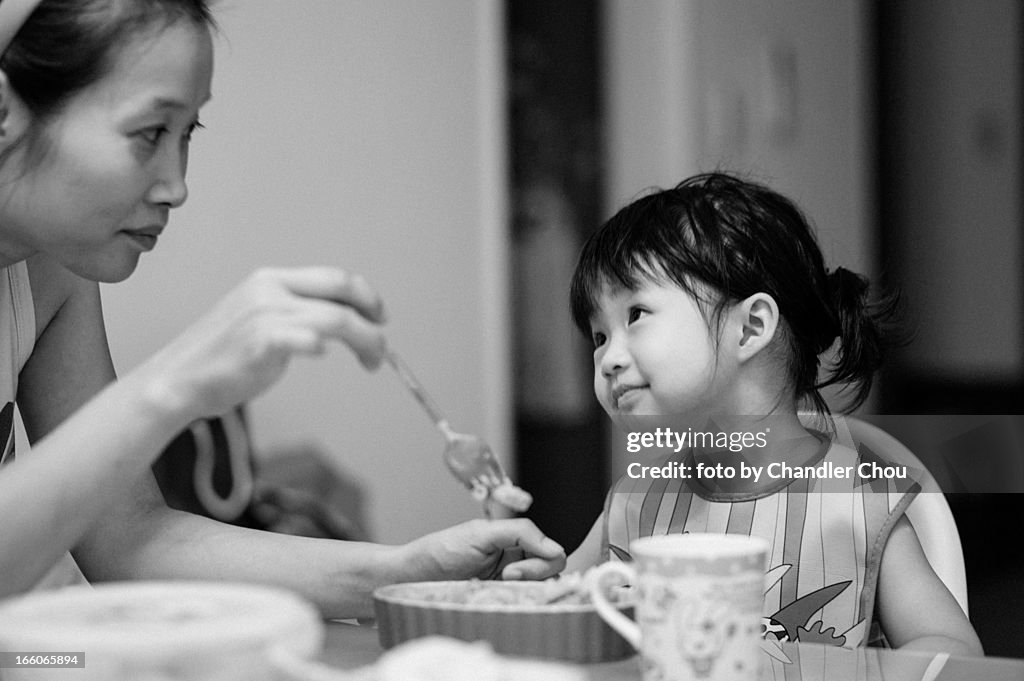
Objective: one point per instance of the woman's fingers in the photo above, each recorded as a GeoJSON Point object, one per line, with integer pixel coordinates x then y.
{"type": "Point", "coordinates": [531, 554]}
{"type": "Point", "coordinates": [331, 320]}
{"type": "Point", "coordinates": [531, 569]}
{"type": "Point", "coordinates": [328, 283]}
{"type": "Point", "coordinates": [243, 345]}
{"type": "Point", "coordinates": [523, 534]}
{"type": "Point", "coordinates": [298, 309]}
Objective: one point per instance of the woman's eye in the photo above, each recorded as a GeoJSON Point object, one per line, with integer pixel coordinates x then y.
{"type": "Point", "coordinates": [598, 339]}
{"type": "Point", "coordinates": [152, 136]}
{"type": "Point", "coordinates": [635, 313]}
{"type": "Point", "coordinates": [191, 130]}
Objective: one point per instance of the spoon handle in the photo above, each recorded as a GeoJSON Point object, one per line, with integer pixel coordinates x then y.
{"type": "Point", "coordinates": [417, 390]}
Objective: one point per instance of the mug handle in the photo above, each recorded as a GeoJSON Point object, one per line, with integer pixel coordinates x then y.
{"type": "Point", "coordinates": [609, 613]}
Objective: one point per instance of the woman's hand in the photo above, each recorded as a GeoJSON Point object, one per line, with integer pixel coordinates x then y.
{"type": "Point", "coordinates": [484, 549]}
{"type": "Point", "coordinates": [243, 345]}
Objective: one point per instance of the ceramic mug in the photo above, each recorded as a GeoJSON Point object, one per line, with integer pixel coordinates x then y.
{"type": "Point", "coordinates": [698, 605]}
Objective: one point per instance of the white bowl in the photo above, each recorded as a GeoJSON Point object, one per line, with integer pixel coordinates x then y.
{"type": "Point", "coordinates": [187, 631]}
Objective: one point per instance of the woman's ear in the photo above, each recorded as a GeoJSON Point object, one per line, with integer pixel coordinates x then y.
{"type": "Point", "coordinates": [5, 104]}
{"type": "Point", "coordinates": [756, 320]}
{"type": "Point", "coordinates": [12, 113]}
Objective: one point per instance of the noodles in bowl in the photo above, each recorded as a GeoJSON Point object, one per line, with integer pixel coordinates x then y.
{"type": "Point", "coordinates": [553, 619]}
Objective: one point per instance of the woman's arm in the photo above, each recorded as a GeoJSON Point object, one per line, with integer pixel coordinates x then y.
{"type": "Point", "coordinates": [916, 609]}
{"type": "Point", "coordinates": [87, 484]}
{"type": "Point", "coordinates": [49, 498]}
{"type": "Point", "coordinates": [146, 540]}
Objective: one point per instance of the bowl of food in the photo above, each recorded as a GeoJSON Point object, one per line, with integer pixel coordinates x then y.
{"type": "Point", "coordinates": [553, 619]}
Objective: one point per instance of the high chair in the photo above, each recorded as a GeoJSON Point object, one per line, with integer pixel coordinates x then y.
{"type": "Point", "coordinates": [929, 513]}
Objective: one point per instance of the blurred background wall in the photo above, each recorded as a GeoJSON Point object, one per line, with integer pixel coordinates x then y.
{"type": "Point", "coordinates": [370, 136]}
{"type": "Point", "coordinates": [949, 182]}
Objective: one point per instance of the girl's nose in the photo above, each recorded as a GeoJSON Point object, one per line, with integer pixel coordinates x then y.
{"type": "Point", "coordinates": [615, 357]}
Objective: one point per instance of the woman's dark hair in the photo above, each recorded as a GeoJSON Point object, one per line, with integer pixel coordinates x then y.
{"type": "Point", "coordinates": [65, 46]}
{"type": "Point", "coordinates": [723, 239]}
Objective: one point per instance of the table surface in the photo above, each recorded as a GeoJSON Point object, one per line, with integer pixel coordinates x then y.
{"type": "Point", "coordinates": [349, 646]}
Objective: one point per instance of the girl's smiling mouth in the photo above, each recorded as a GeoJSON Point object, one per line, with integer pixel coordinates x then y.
{"type": "Point", "coordinates": [625, 392]}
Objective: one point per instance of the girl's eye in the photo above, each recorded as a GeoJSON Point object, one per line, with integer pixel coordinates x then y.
{"type": "Point", "coordinates": [598, 338]}
{"type": "Point", "coordinates": [635, 313]}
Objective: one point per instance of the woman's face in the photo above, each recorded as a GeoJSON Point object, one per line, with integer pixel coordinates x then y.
{"type": "Point", "coordinates": [113, 162]}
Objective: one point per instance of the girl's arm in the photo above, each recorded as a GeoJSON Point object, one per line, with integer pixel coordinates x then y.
{"type": "Point", "coordinates": [588, 553]}
{"type": "Point", "coordinates": [916, 609]}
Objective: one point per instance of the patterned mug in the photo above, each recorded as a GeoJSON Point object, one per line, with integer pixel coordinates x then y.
{"type": "Point", "coordinates": [698, 605]}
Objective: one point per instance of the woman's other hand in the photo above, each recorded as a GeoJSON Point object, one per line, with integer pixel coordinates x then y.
{"type": "Point", "coordinates": [484, 549]}
{"type": "Point", "coordinates": [243, 345]}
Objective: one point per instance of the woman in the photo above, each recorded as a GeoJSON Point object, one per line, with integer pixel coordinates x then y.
{"type": "Point", "coordinates": [98, 101]}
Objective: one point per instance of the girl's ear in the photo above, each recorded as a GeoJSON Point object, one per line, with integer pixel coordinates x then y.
{"type": "Point", "coordinates": [756, 320]}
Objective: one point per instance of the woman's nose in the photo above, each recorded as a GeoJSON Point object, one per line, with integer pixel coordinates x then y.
{"type": "Point", "coordinates": [169, 188]}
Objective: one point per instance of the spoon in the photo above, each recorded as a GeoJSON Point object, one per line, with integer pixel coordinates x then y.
{"type": "Point", "coordinates": [469, 458]}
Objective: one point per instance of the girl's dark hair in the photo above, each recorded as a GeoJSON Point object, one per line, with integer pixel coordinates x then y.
{"type": "Point", "coordinates": [723, 239]}
{"type": "Point", "coordinates": [67, 45]}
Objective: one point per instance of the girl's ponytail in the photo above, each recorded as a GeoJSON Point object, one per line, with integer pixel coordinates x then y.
{"type": "Point", "coordinates": [862, 334]}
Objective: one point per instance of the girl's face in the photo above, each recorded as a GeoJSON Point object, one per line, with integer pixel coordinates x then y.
{"type": "Point", "coordinates": [113, 162]}
{"type": "Point", "coordinates": [654, 354]}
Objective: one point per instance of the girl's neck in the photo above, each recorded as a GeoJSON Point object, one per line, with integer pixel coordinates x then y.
{"type": "Point", "coordinates": [778, 437]}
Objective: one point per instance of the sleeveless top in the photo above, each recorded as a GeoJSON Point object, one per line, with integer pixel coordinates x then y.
{"type": "Point", "coordinates": [17, 339]}
{"type": "Point", "coordinates": [826, 536]}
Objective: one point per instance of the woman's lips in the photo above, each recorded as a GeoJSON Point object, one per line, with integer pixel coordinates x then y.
{"type": "Point", "coordinates": [144, 239]}
{"type": "Point", "coordinates": [145, 242]}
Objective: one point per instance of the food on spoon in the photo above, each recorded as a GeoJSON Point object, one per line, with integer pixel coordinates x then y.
{"type": "Point", "coordinates": [514, 498]}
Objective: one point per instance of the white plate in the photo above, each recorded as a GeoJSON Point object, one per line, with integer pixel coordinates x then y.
{"type": "Point", "coordinates": [186, 631]}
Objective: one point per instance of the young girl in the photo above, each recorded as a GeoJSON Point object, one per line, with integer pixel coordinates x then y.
{"type": "Point", "coordinates": [98, 103]}
{"type": "Point", "coordinates": [709, 305]}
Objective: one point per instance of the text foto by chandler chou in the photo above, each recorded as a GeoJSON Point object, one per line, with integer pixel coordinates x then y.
{"type": "Point", "coordinates": [867, 470]}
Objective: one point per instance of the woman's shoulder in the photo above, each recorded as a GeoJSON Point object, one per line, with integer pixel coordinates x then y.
{"type": "Point", "coordinates": [53, 286]}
